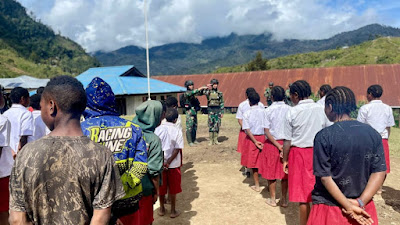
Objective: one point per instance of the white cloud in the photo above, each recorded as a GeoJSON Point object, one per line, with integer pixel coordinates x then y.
{"type": "Point", "coordinates": [111, 24]}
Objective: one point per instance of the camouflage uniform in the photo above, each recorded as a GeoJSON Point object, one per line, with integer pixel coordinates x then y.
{"type": "Point", "coordinates": [215, 110]}
{"type": "Point", "coordinates": [287, 97]}
{"type": "Point", "coordinates": [191, 114]}
{"type": "Point", "coordinates": [267, 95]}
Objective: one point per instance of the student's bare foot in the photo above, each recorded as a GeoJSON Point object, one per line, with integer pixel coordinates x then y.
{"type": "Point", "coordinates": [271, 202]}
{"type": "Point", "coordinates": [255, 188]}
{"type": "Point", "coordinates": [175, 214]}
{"type": "Point", "coordinates": [161, 212]}
{"type": "Point", "coordinates": [283, 203]}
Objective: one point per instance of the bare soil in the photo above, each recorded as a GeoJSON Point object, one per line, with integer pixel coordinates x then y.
{"type": "Point", "coordinates": [216, 192]}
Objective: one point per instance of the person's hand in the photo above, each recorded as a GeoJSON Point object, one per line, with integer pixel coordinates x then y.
{"type": "Point", "coordinates": [353, 201]}
{"type": "Point", "coordinates": [259, 145]}
{"type": "Point", "coordinates": [14, 155]}
{"type": "Point", "coordinates": [155, 197]}
{"type": "Point", "coordinates": [281, 154]}
{"type": "Point", "coordinates": [222, 115]}
{"type": "Point", "coordinates": [285, 167]}
{"type": "Point", "coordinates": [358, 214]}
{"type": "Point", "coordinates": [209, 86]}
{"type": "Point", "coordinates": [119, 222]}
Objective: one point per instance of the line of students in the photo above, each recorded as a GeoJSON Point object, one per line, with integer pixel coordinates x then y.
{"type": "Point", "coordinates": [337, 167]}
{"type": "Point", "coordinates": [112, 176]}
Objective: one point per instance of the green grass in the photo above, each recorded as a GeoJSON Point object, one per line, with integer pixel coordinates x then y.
{"type": "Point", "coordinates": [394, 142]}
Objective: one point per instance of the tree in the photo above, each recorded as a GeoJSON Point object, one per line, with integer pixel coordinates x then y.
{"type": "Point", "coordinates": [258, 63]}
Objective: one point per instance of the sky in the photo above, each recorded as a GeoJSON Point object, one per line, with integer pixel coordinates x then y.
{"type": "Point", "coordinates": [107, 25]}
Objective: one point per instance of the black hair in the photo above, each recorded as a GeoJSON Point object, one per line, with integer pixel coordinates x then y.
{"type": "Point", "coordinates": [40, 90]}
{"type": "Point", "coordinates": [17, 93]}
{"type": "Point", "coordinates": [35, 101]}
{"type": "Point", "coordinates": [278, 93]}
{"type": "Point", "coordinates": [68, 93]}
{"type": "Point", "coordinates": [164, 106]}
{"type": "Point", "coordinates": [254, 98]}
{"type": "Point", "coordinates": [375, 90]}
{"type": "Point", "coordinates": [249, 90]}
{"type": "Point", "coordinates": [171, 102]}
{"type": "Point", "coordinates": [302, 88]}
{"type": "Point", "coordinates": [342, 99]}
{"type": "Point", "coordinates": [325, 88]}
{"type": "Point", "coordinates": [171, 114]}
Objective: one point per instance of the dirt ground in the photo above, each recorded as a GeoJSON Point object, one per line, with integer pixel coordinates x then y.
{"type": "Point", "coordinates": [215, 191]}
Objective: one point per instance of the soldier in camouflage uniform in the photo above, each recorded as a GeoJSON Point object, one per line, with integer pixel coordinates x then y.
{"type": "Point", "coordinates": [267, 93]}
{"type": "Point", "coordinates": [215, 110]}
{"type": "Point", "coordinates": [191, 105]}
{"type": "Point", "coordinates": [287, 96]}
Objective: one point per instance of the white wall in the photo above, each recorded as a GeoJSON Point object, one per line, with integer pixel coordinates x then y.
{"type": "Point", "coordinates": [132, 102]}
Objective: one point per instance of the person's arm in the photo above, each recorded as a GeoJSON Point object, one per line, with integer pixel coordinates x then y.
{"type": "Point", "coordinates": [18, 218]}
{"type": "Point", "coordinates": [156, 183]}
{"type": "Point", "coordinates": [388, 130]}
{"type": "Point", "coordinates": [272, 140]}
{"type": "Point", "coordinates": [240, 121]}
{"type": "Point", "coordinates": [22, 142]}
{"type": "Point", "coordinates": [361, 117]}
{"type": "Point", "coordinates": [355, 212]}
{"type": "Point", "coordinates": [101, 216]}
{"type": "Point", "coordinates": [222, 104]}
{"type": "Point", "coordinates": [258, 144]}
{"type": "Point", "coordinates": [155, 164]}
{"type": "Point", "coordinates": [173, 156]}
{"type": "Point", "coordinates": [375, 181]}
{"type": "Point", "coordinates": [286, 150]}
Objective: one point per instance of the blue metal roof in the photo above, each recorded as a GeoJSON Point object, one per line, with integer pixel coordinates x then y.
{"type": "Point", "coordinates": [124, 83]}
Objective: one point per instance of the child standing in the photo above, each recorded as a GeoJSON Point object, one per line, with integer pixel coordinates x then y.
{"type": "Point", "coordinates": [253, 121]}
{"type": "Point", "coordinates": [79, 181]}
{"type": "Point", "coordinates": [270, 163]}
{"type": "Point", "coordinates": [172, 161]}
{"type": "Point", "coordinates": [345, 184]}
{"type": "Point", "coordinates": [379, 116]}
{"type": "Point", "coordinates": [20, 118]}
{"type": "Point", "coordinates": [302, 122]}
{"type": "Point", "coordinates": [39, 128]}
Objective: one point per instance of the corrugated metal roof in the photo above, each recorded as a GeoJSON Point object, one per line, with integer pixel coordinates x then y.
{"type": "Point", "coordinates": [24, 81]}
{"type": "Point", "coordinates": [357, 78]}
{"type": "Point", "coordinates": [124, 81]}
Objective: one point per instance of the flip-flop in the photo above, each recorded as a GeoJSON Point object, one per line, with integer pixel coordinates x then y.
{"type": "Point", "coordinates": [254, 188]}
{"type": "Point", "coordinates": [270, 202]}
{"type": "Point", "coordinates": [283, 204]}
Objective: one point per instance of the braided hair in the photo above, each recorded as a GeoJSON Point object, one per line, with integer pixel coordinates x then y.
{"type": "Point", "coordinates": [302, 88]}
{"type": "Point", "coordinates": [342, 99]}
{"type": "Point", "coordinates": [278, 93]}
{"type": "Point", "coordinates": [325, 89]}
{"type": "Point", "coordinates": [375, 90]}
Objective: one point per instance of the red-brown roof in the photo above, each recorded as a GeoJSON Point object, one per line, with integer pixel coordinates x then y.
{"type": "Point", "coordinates": [357, 78]}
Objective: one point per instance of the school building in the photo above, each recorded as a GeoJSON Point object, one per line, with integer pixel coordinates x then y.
{"type": "Point", "coordinates": [130, 86]}
{"type": "Point", "coordinates": [357, 78]}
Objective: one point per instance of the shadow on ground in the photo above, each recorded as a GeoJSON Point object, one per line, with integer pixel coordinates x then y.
{"type": "Point", "coordinates": [391, 197]}
{"type": "Point", "coordinates": [190, 192]}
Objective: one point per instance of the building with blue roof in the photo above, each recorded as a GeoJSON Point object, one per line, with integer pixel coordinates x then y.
{"type": "Point", "coordinates": [130, 86]}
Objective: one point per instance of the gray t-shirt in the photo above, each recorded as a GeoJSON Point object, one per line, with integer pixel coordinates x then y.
{"type": "Point", "coordinates": [61, 180]}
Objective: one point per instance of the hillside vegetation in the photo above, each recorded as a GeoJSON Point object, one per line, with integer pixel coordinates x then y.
{"type": "Point", "coordinates": [29, 47]}
{"type": "Point", "coordinates": [384, 50]}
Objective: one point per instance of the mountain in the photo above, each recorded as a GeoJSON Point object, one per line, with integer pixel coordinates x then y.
{"type": "Point", "coordinates": [384, 50]}
{"type": "Point", "coordinates": [213, 53]}
{"type": "Point", "coordinates": [29, 47]}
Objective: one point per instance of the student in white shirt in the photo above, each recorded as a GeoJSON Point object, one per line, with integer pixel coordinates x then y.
{"type": "Point", "coordinates": [172, 148]}
{"type": "Point", "coordinates": [20, 118]}
{"type": "Point", "coordinates": [270, 163]}
{"type": "Point", "coordinates": [6, 163]}
{"type": "Point", "coordinates": [253, 121]}
{"type": "Point", "coordinates": [379, 116]}
{"type": "Point", "coordinates": [323, 90]}
{"type": "Point", "coordinates": [302, 123]}
{"type": "Point", "coordinates": [172, 102]}
{"type": "Point", "coordinates": [39, 128]}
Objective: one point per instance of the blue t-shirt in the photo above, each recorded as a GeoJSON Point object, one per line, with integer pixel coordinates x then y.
{"type": "Point", "coordinates": [349, 152]}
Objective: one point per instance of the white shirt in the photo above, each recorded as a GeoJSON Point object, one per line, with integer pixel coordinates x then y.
{"type": "Point", "coordinates": [175, 142]}
{"type": "Point", "coordinates": [275, 118]}
{"type": "Point", "coordinates": [378, 115]}
{"type": "Point", "coordinates": [39, 128]}
{"type": "Point", "coordinates": [322, 101]}
{"type": "Point", "coordinates": [254, 119]}
{"type": "Point", "coordinates": [245, 106]}
{"type": "Point", "coordinates": [6, 159]}
{"type": "Point", "coordinates": [178, 123]}
{"type": "Point", "coordinates": [21, 124]}
{"type": "Point", "coordinates": [302, 123]}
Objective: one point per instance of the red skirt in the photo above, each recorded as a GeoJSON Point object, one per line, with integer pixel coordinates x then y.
{"type": "Point", "coordinates": [143, 216]}
{"type": "Point", "coordinates": [301, 177]}
{"type": "Point", "coordinates": [250, 153]}
{"type": "Point", "coordinates": [385, 143]}
{"type": "Point", "coordinates": [270, 164]}
{"type": "Point", "coordinates": [4, 194]}
{"type": "Point", "coordinates": [332, 215]}
{"type": "Point", "coordinates": [171, 181]}
{"type": "Point", "coordinates": [241, 138]}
